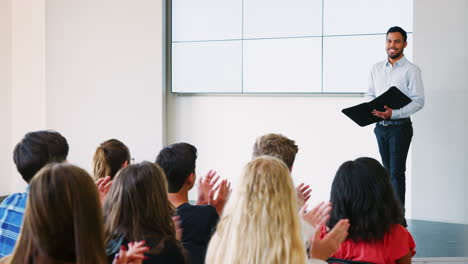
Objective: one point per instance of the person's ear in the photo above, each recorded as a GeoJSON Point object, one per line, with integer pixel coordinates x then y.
{"type": "Point", "coordinates": [191, 179]}
{"type": "Point", "coordinates": [125, 164]}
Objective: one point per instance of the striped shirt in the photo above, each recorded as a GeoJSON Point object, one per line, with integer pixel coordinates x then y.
{"type": "Point", "coordinates": [11, 218]}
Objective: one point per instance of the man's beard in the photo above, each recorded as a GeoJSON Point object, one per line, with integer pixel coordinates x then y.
{"type": "Point", "coordinates": [395, 56]}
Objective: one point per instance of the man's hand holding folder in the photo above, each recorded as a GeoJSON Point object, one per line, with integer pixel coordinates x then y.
{"type": "Point", "coordinates": [378, 109]}
{"type": "Point", "coordinates": [387, 114]}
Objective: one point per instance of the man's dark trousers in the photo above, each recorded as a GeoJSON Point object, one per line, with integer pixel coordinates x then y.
{"type": "Point", "coordinates": [394, 139]}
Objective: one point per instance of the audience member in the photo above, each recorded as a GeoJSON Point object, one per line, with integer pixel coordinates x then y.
{"type": "Point", "coordinates": [32, 153]}
{"type": "Point", "coordinates": [197, 221]}
{"type": "Point", "coordinates": [63, 221]}
{"type": "Point", "coordinates": [362, 193]}
{"type": "Point", "coordinates": [137, 208]}
{"type": "Point", "coordinates": [260, 223]}
{"type": "Point", "coordinates": [109, 158]}
{"type": "Point", "coordinates": [285, 149]}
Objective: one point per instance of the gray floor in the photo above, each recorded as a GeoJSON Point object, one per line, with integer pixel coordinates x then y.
{"type": "Point", "coordinates": [439, 240]}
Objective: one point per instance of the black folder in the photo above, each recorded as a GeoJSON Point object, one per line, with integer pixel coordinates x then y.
{"type": "Point", "coordinates": [362, 113]}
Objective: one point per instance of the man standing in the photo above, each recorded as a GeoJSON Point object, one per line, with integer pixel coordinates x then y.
{"type": "Point", "coordinates": [394, 133]}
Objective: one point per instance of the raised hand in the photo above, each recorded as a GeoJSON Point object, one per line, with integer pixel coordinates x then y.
{"type": "Point", "coordinates": [205, 186]}
{"type": "Point", "coordinates": [224, 190]}
{"type": "Point", "coordinates": [318, 216]}
{"type": "Point", "coordinates": [103, 186]}
{"type": "Point", "coordinates": [325, 247]}
{"type": "Point", "coordinates": [134, 254]}
{"type": "Point", "coordinates": [303, 194]}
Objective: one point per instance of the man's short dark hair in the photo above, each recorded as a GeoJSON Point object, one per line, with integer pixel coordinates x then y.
{"type": "Point", "coordinates": [400, 30]}
{"type": "Point", "coordinates": [178, 162]}
{"type": "Point", "coordinates": [37, 149]}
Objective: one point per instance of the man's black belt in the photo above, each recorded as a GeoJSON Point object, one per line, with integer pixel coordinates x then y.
{"type": "Point", "coordinates": [394, 122]}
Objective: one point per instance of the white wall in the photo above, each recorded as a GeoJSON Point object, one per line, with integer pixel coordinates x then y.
{"type": "Point", "coordinates": [440, 156]}
{"type": "Point", "coordinates": [104, 75]}
{"type": "Point", "coordinates": [5, 94]}
{"type": "Point", "coordinates": [28, 87]}
{"type": "Point", "coordinates": [224, 128]}
{"type": "Point", "coordinates": [91, 70]}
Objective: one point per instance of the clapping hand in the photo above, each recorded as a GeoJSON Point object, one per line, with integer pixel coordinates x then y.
{"type": "Point", "coordinates": [205, 185]}
{"type": "Point", "coordinates": [103, 186]}
{"type": "Point", "coordinates": [224, 190]}
{"type": "Point", "coordinates": [318, 216]}
{"type": "Point", "coordinates": [325, 247]}
{"type": "Point", "coordinates": [134, 254]}
{"type": "Point", "coordinates": [303, 194]}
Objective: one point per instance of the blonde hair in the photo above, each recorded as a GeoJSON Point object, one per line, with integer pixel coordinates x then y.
{"type": "Point", "coordinates": [62, 220]}
{"type": "Point", "coordinates": [109, 158]}
{"type": "Point", "coordinates": [276, 145]}
{"type": "Point", "coordinates": [260, 224]}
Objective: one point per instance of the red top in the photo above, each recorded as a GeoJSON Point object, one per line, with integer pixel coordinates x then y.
{"type": "Point", "coordinates": [395, 245]}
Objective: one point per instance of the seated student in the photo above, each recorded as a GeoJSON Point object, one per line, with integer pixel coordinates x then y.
{"type": "Point", "coordinates": [362, 192]}
{"type": "Point", "coordinates": [260, 223]}
{"type": "Point", "coordinates": [136, 208]}
{"type": "Point", "coordinates": [32, 153]}
{"type": "Point", "coordinates": [285, 149]}
{"type": "Point", "coordinates": [63, 221]}
{"type": "Point", "coordinates": [197, 221]}
{"type": "Point", "coordinates": [109, 158]}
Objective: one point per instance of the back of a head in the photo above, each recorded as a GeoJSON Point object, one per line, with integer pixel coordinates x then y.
{"type": "Point", "coordinates": [361, 192]}
{"type": "Point", "coordinates": [109, 158]}
{"type": "Point", "coordinates": [137, 206]}
{"type": "Point", "coordinates": [276, 145]}
{"type": "Point", "coordinates": [260, 221]}
{"type": "Point", "coordinates": [178, 162]}
{"type": "Point", "coordinates": [63, 218]}
{"type": "Point", "coordinates": [37, 149]}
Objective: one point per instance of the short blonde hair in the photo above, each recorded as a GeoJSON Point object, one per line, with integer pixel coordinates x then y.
{"type": "Point", "coordinates": [260, 223]}
{"type": "Point", "coordinates": [276, 145]}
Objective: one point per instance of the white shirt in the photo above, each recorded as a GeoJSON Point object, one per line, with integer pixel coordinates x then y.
{"type": "Point", "coordinates": [405, 76]}
{"type": "Point", "coordinates": [308, 231]}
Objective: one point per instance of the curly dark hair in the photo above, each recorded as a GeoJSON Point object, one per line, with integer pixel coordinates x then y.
{"type": "Point", "coordinates": [362, 193]}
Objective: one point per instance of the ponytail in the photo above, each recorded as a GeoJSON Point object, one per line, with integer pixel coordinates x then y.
{"type": "Point", "coordinates": [109, 158]}
{"type": "Point", "coordinates": [101, 167]}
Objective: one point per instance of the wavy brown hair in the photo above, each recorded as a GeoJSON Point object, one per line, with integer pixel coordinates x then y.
{"type": "Point", "coordinates": [63, 219]}
{"type": "Point", "coordinates": [137, 206]}
{"type": "Point", "coordinates": [109, 158]}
